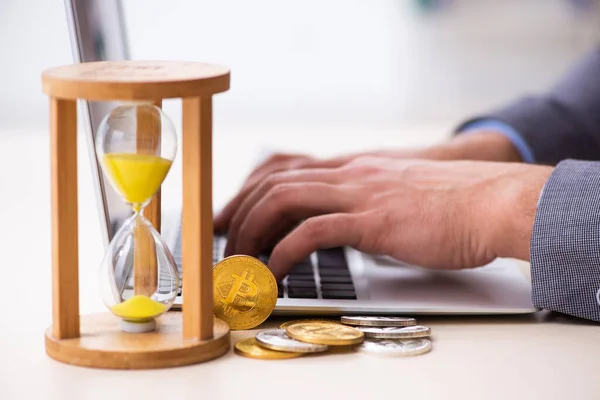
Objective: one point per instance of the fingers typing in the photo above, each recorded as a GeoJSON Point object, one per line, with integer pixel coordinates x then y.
{"type": "Point", "coordinates": [281, 178]}
{"type": "Point", "coordinates": [289, 203]}
{"type": "Point", "coordinates": [322, 232]}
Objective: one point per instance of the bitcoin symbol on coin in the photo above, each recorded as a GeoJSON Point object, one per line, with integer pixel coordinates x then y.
{"type": "Point", "coordinates": [239, 295]}
{"type": "Point", "coordinates": [328, 333]}
{"type": "Point", "coordinates": [245, 291]}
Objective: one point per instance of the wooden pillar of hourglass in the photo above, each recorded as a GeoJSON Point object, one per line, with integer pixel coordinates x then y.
{"type": "Point", "coordinates": [95, 340]}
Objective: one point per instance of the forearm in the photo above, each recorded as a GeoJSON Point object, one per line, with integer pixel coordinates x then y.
{"type": "Point", "coordinates": [480, 146]}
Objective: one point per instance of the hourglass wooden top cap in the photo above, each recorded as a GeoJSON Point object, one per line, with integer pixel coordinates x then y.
{"type": "Point", "coordinates": [135, 80]}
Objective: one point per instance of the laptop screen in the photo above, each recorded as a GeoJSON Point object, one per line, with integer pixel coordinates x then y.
{"type": "Point", "coordinates": [97, 31]}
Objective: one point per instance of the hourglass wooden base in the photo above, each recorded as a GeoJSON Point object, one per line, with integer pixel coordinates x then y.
{"type": "Point", "coordinates": [96, 340]}
{"type": "Point", "coordinates": [104, 345]}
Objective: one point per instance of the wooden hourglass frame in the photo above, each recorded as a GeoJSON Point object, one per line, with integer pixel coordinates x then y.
{"type": "Point", "coordinates": [96, 340]}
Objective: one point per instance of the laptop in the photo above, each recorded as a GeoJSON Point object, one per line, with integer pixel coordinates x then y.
{"type": "Point", "coordinates": [329, 282]}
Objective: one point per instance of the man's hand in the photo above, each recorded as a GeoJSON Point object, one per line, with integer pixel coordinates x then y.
{"type": "Point", "coordinates": [435, 214]}
{"type": "Point", "coordinates": [488, 146]}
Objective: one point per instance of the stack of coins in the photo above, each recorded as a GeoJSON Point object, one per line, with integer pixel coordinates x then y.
{"type": "Point", "coordinates": [245, 293]}
{"type": "Point", "coordinates": [398, 336]}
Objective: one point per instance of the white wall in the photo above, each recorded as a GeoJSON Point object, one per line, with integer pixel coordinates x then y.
{"type": "Point", "coordinates": [33, 36]}
{"type": "Point", "coordinates": [366, 62]}
{"type": "Point", "coordinates": [319, 62]}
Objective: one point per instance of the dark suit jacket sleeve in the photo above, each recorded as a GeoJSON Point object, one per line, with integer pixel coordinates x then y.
{"type": "Point", "coordinates": [565, 242]}
{"type": "Point", "coordinates": [563, 123]}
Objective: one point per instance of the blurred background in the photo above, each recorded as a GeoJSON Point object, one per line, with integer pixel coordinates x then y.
{"type": "Point", "coordinates": [315, 76]}
{"type": "Point", "coordinates": [319, 76]}
{"type": "Point", "coordinates": [385, 64]}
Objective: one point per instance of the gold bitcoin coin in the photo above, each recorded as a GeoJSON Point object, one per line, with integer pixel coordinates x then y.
{"type": "Point", "coordinates": [330, 333]}
{"type": "Point", "coordinates": [298, 321]}
{"type": "Point", "coordinates": [245, 292]}
{"type": "Point", "coordinates": [249, 348]}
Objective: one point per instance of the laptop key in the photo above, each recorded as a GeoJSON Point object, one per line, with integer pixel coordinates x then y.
{"type": "Point", "coordinates": [306, 262]}
{"type": "Point", "coordinates": [302, 294]}
{"type": "Point", "coordinates": [279, 290]}
{"type": "Point", "coordinates": [304, 277]}
{"type": "Point", "coordinates": [332, 258]}
{"type": "Point", "coordinates": [339, 294]}
{"type": "Point", "coordinates": [302, 269]}
{"type": "Point", "coordinates": [334, 272]}
{"type": "Point", "coordinates": [302, 284]}
{"type": "Point", "coordinates": [336, 279]}
{"type": "Point", "coordinates": [337, 286]}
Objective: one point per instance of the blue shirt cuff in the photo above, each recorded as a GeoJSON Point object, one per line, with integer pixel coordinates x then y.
{"type": "Point", "coordinates": [504, 129]}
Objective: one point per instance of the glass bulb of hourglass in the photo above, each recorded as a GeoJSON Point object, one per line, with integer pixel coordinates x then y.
{"type": "Point", "coordinates": [136, 145]}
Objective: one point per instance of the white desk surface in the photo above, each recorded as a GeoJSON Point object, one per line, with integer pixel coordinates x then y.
{"type": "Point", "coordinates": [541, 356]}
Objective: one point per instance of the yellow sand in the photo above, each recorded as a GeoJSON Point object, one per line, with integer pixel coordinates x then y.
{"type": "Point", "coordinates": [136, 176]}
{"type": "Point", "coordinates": [139, 308]}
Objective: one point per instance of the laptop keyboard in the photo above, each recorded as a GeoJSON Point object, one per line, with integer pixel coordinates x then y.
{"type": "Point", "coordinates": [327, 278]}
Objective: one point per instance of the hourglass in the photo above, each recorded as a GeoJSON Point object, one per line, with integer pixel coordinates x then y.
{"type": "Point", "coordinates": [135, 145]}
{"type": "Point", "coordinates": [138, 281]}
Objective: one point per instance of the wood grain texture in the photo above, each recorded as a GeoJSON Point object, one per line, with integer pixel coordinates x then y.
{"type": "Point", "coordinates": [65, 274]}
{"type": "Point", "coordinates": [197, 220]}
{"type": "Point", "coordinates": [103, 345]}
{"type": "Point", "coordinates": [148, 136]}
{"type": "Point", "coordinates": [135, 80]}
{"type": "Point", "coordinates": [145, 267]}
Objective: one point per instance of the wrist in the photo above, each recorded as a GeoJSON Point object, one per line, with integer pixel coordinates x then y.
{"type": "Point", "coordinates": [482, 146]}
{"type": "Point", "coordinates": [477, 146]}
{"type": "Point", "coordinates": [515, 203]}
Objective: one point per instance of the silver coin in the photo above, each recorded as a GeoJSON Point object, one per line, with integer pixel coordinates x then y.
{"type": "Point", "coordinates": [378, 321]}
{"type": "Point", "coordinates": [276, 339]}
{"type": "Point", "coordinates": [400, 348]}
{"type": "Point", "coordinates": [394, 332]}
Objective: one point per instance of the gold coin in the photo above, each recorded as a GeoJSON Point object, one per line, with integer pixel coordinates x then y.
{"type": "Point", "coordinates": [245, 292]}
{"type": "Point", "coordinates": [330, 333]}
{"type": "Point", "coordinates": [249, 348]}
{"type": "Point", "coordinates": [298, 321]}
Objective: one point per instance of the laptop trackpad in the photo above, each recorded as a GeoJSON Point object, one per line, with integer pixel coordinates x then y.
{"type": "Point", "coordinates": [499, 285]}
